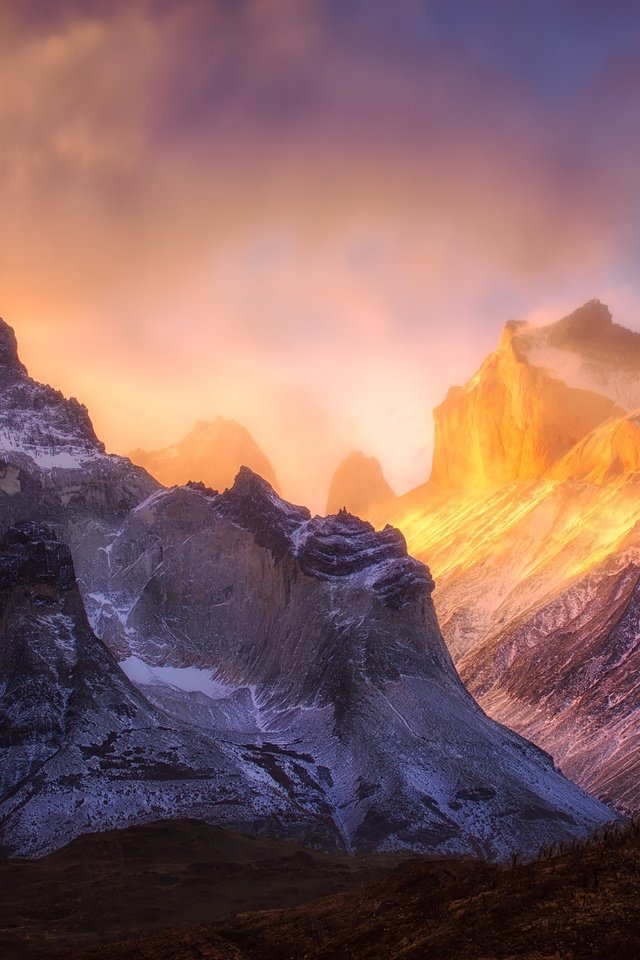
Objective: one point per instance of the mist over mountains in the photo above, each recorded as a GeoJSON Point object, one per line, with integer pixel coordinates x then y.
{"type": "Point", "coordinates": [279, 673]}
{"type": "Point", "coordinates": [212, 453]}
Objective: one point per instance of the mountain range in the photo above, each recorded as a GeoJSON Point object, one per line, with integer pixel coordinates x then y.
{"type": "Point", "coordinates": [228, 657]}
{"type": "Point", "coordinates": [530, 525]}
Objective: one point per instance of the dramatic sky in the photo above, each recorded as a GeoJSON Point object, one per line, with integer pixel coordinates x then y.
{"type": "Point", "coordinates": [311, 215]}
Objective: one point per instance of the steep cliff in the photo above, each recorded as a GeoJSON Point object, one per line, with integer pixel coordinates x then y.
{"type": "Point", "coordinates": [535, 573]}
{"type": "Point", "coordinates": [513, 419]}
{"type": "Point", "coordinates": [80, 747]}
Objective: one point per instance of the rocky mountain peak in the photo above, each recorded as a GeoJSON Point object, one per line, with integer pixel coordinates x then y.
{"type": "Point", "coordinates": [212, 452]}
{"type": "Point", "coordinates": [518, 414]}
{"type": "Point", "coordinates": [39, 421]}
{"type": "Point", "coordinates": [586, 348]}
{"type": "Point", "coordinates": [510, 331]}
{"type": "Point", "coordinates": [333, 547]}
{"type": "Point", "coordinates": [9, 360]}
{"type": "Point", "coordinates": [592, 318]}
{"type": "Point", "coordinates": [358, 484]}
{"type": "Point", "coordinates": [253, 504]}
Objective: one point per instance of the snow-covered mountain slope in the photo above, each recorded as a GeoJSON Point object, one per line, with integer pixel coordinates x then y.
{"type": "Point", "coordinates": [321, 633]}
{"type": "Point", "coordinates": [290, 676]}
{"type": "Point", "coordinates": [522, 566]}
{"type": "Point", "coordinates": [211, 453]}
{"type": "Point", "coordinates": [52, 465]}
{"type": "Point", "coordinates": [80, 747]}
{"type": "Point", "coordinates": [358, 485]}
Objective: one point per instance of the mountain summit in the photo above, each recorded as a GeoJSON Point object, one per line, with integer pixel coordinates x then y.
{"type": "Point", "coordinates": [9, 361]}
{"type": "Point", "coordinates": [518, 415]}
{"type": "Point", "coordinates": [212, 453]}
{"type": "Point", "coordinates": [359, 485]}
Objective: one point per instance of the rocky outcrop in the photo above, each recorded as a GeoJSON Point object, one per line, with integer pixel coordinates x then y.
{"type": "Point", "coordinates": [212, 454]}
{"type": "Point", "coordinates": [512, 421]}
{"type": "Point", "coordinates": [358, 485]}
{"type": "Point", "coordinates": [607, 453]}
{"type": "Point", "coordinates": [81, 749]}
{"type": "Point", "coordinates": [535, 577]}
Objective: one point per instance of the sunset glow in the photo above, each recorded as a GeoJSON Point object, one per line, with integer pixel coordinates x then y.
{"type": "Point", "coordinates": [312, 217]}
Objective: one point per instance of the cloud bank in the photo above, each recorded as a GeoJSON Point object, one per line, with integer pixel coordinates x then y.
{"type": "Point", "coordinates": [311, 216]}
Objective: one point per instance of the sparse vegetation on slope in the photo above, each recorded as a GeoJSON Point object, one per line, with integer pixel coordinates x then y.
{"type": "Point", "coordinates": [580, 902]}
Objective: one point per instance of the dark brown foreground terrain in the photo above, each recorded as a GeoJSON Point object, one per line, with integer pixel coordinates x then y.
{"type": "Point", "coordinates": [172, 874]}
{"type": "Point", "coordinates": [572, 904]}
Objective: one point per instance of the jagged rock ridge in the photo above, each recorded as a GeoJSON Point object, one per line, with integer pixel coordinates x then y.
{"type": "Point", "coordinates": [514, 419]}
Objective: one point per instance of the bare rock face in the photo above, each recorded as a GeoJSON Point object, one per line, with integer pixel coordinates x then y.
{"type": "Point", "coordinates": [212, 454]}
{"type": "Point", "coordinates": [279, 673]}
{"type": "Point", "coordinates": [608, 452]}
{"type": "Point", "coordinates": [80, 747]}
{"type": "Point", "coordinates": [321, 633]}
{"type": "Point", "coordinates": [513, 420]}
{"type": "Point", "coordinates": [536, 574]}
{"type": "Point", "coordinates": [580, 648]}
{"type": "Point", "coordinates": [358, 485]}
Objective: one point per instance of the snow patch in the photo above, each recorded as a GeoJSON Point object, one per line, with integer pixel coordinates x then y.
{"type": "Point", "coordinates": [189, 679]}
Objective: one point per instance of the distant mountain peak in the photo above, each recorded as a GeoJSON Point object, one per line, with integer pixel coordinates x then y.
{"type": "Point", "coordinates": [591, 317]}
{"type": "Point", "coordinates": [590, 321]}
{"type": "Point", "coordinates": [588, 333]}
{"type": "Point", "coordinates": [358, 484]}
{"type": "Point", "coordinates": [212, 452]}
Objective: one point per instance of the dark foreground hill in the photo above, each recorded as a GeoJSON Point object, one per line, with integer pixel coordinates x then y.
{"type": "Point", "coordinates": [577, 903]}
{"type": "Point", "coordinates": [175, 873]}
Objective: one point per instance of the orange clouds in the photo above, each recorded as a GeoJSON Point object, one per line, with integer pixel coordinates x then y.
{"type": "Point", "coordinates": [230, 208]}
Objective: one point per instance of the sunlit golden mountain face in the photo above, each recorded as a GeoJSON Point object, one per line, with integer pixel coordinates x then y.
{"type": "Point", "coordinates": [523, 457]}
{"type": "Point", "coordinates": [308, 216]}
{"type": "Point", "coordinates": [530, 525]}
